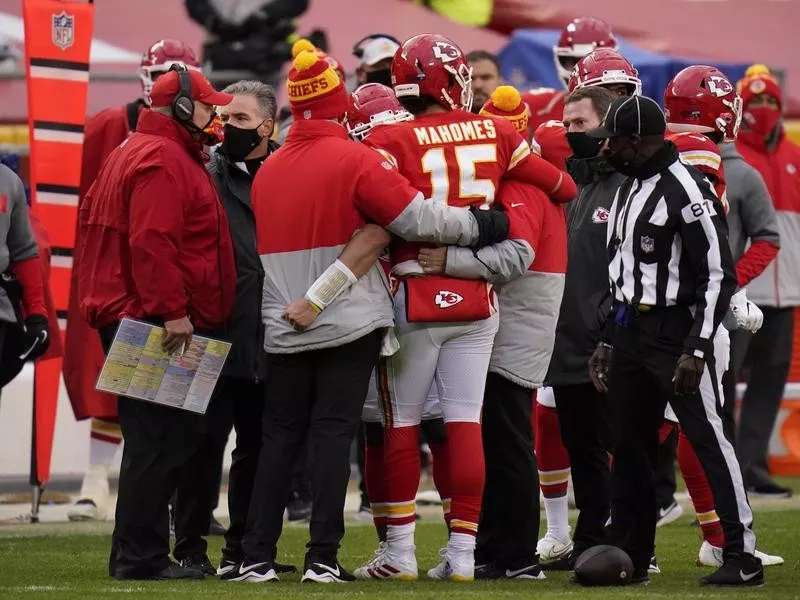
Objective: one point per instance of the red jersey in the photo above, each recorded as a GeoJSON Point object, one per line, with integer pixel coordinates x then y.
{"type": "Point", "coordinates": [550, 142]}
{"type": "Point", "coordinates": [460, 158]}
{"type": "Point", "coordinates": [703, 154]}
{"type": "Point", "coordinates": [546, 104]}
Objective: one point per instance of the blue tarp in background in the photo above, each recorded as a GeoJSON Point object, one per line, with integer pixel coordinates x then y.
{"type": "Point", "coordinates": [527, 61]}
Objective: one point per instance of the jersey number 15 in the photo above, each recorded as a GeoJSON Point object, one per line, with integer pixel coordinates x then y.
{"type": "Point", "coordinates": [434, 162]}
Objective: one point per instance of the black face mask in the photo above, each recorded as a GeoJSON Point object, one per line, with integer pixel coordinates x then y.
{"type": "Point", "coordinates": [621, 164]}
{"type": "Point", "coordinates": [238, 142]}
{"type": "Point", "coordinates": [582, 145]}
{"type": "Point", "coordinates": [384, 76]}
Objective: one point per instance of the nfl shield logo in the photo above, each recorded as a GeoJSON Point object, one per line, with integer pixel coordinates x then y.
{"type": "Point", "coordinates": [63, 30]}
{"type": "Point", "coordinates": [648, 244]}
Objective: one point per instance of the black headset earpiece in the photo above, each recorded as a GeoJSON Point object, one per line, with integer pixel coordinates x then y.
{"type": "Point", "coordinates": [358, 51]}
{"type": "Point", "coordinates": [182, 103]}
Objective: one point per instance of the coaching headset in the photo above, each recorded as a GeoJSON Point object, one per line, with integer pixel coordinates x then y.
{"type": "Point", "coordinates": [182, 104]}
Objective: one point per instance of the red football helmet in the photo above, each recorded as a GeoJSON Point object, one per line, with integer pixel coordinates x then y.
{"type": "Point", "coordinates": [433, 65]}
{"type": "Point", "coordinates": [605, 67]}
{"type": "Point", "coordinates": [373, 104]}
{"type": "Point", "coordinates": [702, 99]}
{"type": "Point", "coordinates": [579, 38]}
{"type": "Point", "coordinates": [159, 58]}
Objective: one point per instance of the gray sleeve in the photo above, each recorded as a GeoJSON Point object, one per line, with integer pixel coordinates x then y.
{"type": "Point", "coordinates": [425, 221]}
{"type": "Point", "coordinates": [757, 211]}
{"type": "Point", "coordinates": [499, 263]}
{"type": "Point", "coordinates": [21, 242]}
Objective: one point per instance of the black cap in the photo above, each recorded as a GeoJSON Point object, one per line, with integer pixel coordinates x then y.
{"type": "Point", "coordinates": [634, 115]}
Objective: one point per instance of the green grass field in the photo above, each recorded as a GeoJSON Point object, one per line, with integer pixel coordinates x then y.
{"type": "Point", "coordinates": [67, 561]}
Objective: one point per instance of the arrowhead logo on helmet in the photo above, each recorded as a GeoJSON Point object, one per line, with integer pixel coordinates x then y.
{"type": "Point", "coordinates": [445, 299]}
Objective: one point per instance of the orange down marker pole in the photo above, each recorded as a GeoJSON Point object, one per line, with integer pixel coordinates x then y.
{"type": "Point", "coordinates": [58, 38]}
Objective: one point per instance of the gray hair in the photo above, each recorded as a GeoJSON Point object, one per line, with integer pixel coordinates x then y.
{"type": "Point", "coordinates": [264, 95]}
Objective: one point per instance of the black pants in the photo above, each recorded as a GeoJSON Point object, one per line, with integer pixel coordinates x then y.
{"type": "Point", "coordinates": [509, 522]}
{"type": "Point", "coordinates": [645, 356]}
{"type": "Point", "coordinates": [768, 356]}
{"type": "Point", "coordinates": [159, 444]}
{"type": "Point", "coordinates": [316, 396]}
{"type": "Point", "coordinates": [197, 493]}
{"type": "Point", "coordinates": [585, 418]}
{"type": "Point", "coordinates": [245, 399]}
{"type": "Point", "coordinates": [665, 470]}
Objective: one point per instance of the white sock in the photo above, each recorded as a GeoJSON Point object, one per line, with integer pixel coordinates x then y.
{"type": "Point", "coordinates": [101, 452]}
{"type": "Point", "coordinates": [95, 485]}
{"type": "Point", "coordinates": [462, 542]}
{"type": "Point", "coordinates": [401, 537]}
{"type": "Point", "coordinates": [557, 511]}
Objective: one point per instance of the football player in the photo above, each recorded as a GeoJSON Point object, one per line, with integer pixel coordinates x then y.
{"type": "Point", "coordinates": [703, 115]}
{"type": "Point", "coordinates": [445, 325]}
{"type": "Point", "coordinates": [605, 68]}
{"type": "Point", "coordinates": [84, 356]}
{"type": "Point", "coordinates": [375, 105]}
{"type": "Point", "coordinates": [579, 38]}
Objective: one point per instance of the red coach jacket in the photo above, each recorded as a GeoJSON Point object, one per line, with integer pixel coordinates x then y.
{"type": "Point", "coordinates": [528, 271]}
{"type": "Point", "coordinates": [84, 356]}
{"type": "Point", "coordinates": [157, 242]}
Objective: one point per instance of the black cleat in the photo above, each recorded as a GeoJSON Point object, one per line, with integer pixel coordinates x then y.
{"type": "Point", "coordinates": [226, 565]}
{"type": "Point", "coordinates": [172, 572]}
{"type": "Point", "coordinates": [198, 563]}
{"type": "Point", "coordinates": [325, 572]}
{"type": "Point", "coordinates": [526, 569]}
{"type": "Point", "coordinates": [490, 570]}
{"type": "Point", "coordinates": [744, 570]}
{"type": "Point", "coordinates": [251, 571]}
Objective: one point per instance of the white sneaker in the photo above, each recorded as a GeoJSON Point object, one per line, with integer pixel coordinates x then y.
{"type": "Point", "coordinates": [669, 514]}
{"type": "Point", "coordinates": [551, 548]}
{"type": "Point", "coordinates": [360, 572]}
{"type": "Point", "coordinates": [92, 504]}
{"type": "Point", "coordinates": [653, 566]}
{"type": "Point", "coordinates": [388, 563]}
{"type": "Point", "coordinates": [768, 560]}
{"type": "Point", "coordinates": [456, 565]}
{"type": "Point", "coordinates": [709, 556]}
{"type": "Point", "coordinates": [86, 510]}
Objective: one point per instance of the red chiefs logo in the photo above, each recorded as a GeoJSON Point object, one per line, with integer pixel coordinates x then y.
{"type": "Point", "coordinates": [446, 52]}
{"type": "Point", "coordinates": [3, 203]}
{"type": "Point", "coordinates": [600, 215]}
{"type": "Point", "coordinates": [445, 299]}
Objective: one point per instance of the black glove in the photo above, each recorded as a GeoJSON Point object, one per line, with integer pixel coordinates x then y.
{"type": "Point", "coordinates": [492, 226]}
{"type": "Point", "coordinates": [688, 374]}
{"type": "Point", "coordinates": [600, 366]}
{"type": "Point", "coordinates": [37, 337]}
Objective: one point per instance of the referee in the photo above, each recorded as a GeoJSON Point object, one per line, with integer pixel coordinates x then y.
{"type": "Point", "coordinates": [672, 278]}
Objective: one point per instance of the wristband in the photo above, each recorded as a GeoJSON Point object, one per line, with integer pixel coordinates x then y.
{"type": "Point", "coordinates": [328, 286]}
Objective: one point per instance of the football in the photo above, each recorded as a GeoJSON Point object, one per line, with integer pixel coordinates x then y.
{"type": "Point", "coordinates": [603, 565]}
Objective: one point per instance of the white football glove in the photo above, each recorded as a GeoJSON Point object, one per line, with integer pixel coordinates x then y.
{"type": "Point", "coordinates": [746, 315]}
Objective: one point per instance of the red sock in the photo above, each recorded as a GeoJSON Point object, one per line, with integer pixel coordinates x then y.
{"type": "Point", "coordinates": [401, 471]}
{"type": "Point", "coordinates": [700, 492]}
{"type": "Point", "coordinates": [441, 475]}
{"type": "Point", "coordinates": [376, 487]}
{"type": "Point", "coordinates": [666, 429]}
{"type": "Point", "coordinates": [551, 455]}
{"type": "Point", "coordinates": [467, 476]}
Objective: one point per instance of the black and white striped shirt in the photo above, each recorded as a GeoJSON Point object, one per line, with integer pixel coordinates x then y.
{"type": "Point", "coordinates": [667, 246]}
